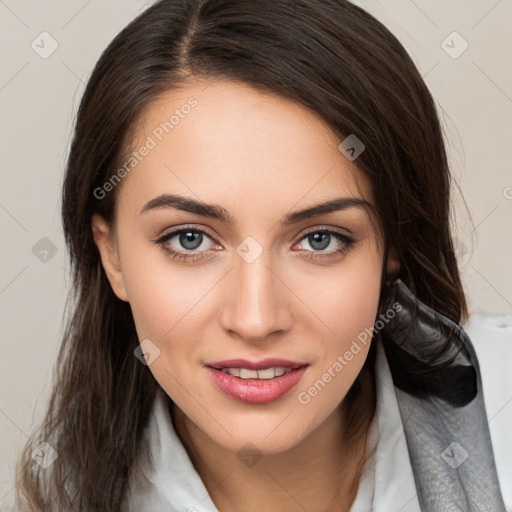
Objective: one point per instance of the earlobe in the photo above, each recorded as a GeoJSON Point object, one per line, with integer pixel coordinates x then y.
{"type": "Point", "coordinates": [393, 264]}
{"type": "Point", "coordinates": [105, 242]}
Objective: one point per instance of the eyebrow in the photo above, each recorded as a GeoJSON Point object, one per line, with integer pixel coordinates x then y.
{"type": "Point", "coordinates": [217, 212]}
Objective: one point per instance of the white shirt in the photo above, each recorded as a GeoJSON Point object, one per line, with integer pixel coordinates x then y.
{"type": "Point", "coordinates": [387, 482]}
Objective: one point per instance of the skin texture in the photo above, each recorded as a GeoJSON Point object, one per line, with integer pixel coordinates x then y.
{"type": "Point", "coordinates": [260, 157]}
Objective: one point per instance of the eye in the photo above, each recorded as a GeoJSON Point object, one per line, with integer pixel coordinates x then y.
{"type": "Point", "coordinates": [321, 239]}
{"type": "Point", "coordinates": [181, 241]}
{"type": "Point", "coordinates": [188, 243]}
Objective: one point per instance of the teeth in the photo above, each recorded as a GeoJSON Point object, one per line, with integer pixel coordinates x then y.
{"type": "Point", "coordinates": [248, 374]}
{"type": "Point", "coordinates": [268, 373]}
{"type": "Point", "coordinates": [233, 371]}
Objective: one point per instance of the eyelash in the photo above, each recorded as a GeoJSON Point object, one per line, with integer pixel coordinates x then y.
{"type": "Point", "coordinates": [194, 256]}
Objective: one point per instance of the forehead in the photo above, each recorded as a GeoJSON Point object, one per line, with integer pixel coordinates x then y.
{"type": "Point", "coordinates": [223, 140]}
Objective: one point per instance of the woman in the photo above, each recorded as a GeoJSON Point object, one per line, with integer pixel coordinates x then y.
{"type": "Point", "coordinates": [256, 206]}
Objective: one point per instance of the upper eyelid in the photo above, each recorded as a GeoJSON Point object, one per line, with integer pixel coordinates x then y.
{"type": "Point", "coordinates": [329, 229]}
{"type": "Point", "coordinates": [174, 232]}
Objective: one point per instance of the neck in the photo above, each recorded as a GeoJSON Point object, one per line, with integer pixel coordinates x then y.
{"type": "Point", "coordinates": [321, 473]}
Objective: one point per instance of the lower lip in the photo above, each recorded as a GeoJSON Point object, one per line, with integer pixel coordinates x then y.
{"type": "Point", "coordinates": [255, 391]}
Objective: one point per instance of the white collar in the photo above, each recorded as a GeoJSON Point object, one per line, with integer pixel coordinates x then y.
{"type": "Point", "coordinates": [173, 484]}
{"type": "Point", "coordinates": [387, 482]}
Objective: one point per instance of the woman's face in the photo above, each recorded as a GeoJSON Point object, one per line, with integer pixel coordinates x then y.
{"type": "Point", "coordinates": [252, 279]}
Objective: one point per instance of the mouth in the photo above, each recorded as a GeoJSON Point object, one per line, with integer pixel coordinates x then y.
{"type": "Point", "coordinates": [256, 382]}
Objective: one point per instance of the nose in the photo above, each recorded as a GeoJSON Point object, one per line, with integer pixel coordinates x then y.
{"type": "Point", "coordinates": [258, 301]}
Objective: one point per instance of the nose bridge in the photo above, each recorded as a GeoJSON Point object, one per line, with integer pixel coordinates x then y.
{"type": "Point", "coordinates": [256, 307]}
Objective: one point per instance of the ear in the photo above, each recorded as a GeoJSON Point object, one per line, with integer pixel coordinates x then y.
{"type": "Point", "coordinates": [104, 239]}
{"type": "Point", "coordinates": [393, 264]}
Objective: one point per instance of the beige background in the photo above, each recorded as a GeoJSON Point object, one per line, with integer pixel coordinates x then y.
{"type": "Point", "coordinates": [38, 99]}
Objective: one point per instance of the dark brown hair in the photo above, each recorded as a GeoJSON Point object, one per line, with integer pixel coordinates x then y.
{"type": "Point", "coordinates": [330, 56]}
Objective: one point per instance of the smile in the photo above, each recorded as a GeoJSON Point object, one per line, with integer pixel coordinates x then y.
{"type": "Point", "coordinates": [256, 386]}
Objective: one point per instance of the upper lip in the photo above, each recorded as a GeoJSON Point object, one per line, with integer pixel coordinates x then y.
{"type": "Point", "coordinates": [255, 365]}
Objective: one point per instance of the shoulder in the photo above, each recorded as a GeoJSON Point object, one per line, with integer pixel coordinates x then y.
{"type": "Point", "coordinates": [491, 336]}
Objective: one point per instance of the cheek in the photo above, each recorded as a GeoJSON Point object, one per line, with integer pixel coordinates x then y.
{"type": "Point", "coordinates": [347, 300]}
{"type": "Point", "coordinates": [167, 299]}
{"type": "Point", "coordinates": [168, 306]}
{"type": "Point", "coordinates": [163, 295]}
{"type": "Point", "coordinates": [347, 304]}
